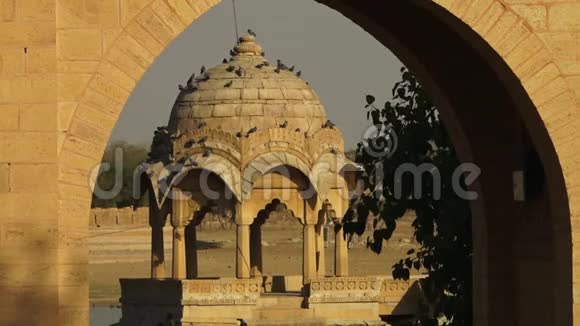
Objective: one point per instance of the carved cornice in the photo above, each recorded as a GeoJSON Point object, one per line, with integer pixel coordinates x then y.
{"type": "Point", "coordinates": [268, 140]}
{"type": "Point", "coordinates": [216, 139]}
{"type": "Point", "coordinates": [324, 140]}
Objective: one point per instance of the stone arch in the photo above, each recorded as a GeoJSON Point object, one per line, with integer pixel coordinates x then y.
{"type": "Point", "coordinates": [267, 162]}
{"type": "Point", "coordinates": [538, 95]}
{"type": "Point", "coordinates": [91, 98]}
{"type": "Point", "coordinates": [226, 170]}
{"type": "Point", "coordinates": [326, 172]}
{"type": "Point", "coordinates": [276, 205]}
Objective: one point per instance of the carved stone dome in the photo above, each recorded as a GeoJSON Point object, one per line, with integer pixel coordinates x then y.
{"type": "Point", "coordinates": [247, 92]}
{"type": "Point", "coordinates": [242, 120]}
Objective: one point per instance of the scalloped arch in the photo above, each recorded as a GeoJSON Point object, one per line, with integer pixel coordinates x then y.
{"type": "Point", "coordinates": [266, 162]}
{"type": "Point", "coordinates": [220, 166]}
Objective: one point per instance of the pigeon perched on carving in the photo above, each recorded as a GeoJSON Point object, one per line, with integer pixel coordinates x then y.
{"type": "Point", "coordinates": [161, 147]}
{"type": "Point", "coordinates": [328, 125]}
{"type": "Point", "coordinates": [189, 143]}
{"type": "Point", "coordinates": [191, 80]}
{"type": "Point", "coordinates": [253, 130]}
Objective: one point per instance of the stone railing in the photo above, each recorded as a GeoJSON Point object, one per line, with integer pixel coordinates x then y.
{"type": "Point", "coordinates": [199, 292]}
{"type": "Point", "coordinates": [223, 291]}
{"type": "Point", "coordinates": [345, 289]}
{"type": "Point", "coordinates": [393, 290]}
{"type": "Point", "coordinates": [379, 289]}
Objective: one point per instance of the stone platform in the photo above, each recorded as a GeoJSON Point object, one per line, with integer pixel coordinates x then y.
{"type": "Point", "coordinates": [230, 301]}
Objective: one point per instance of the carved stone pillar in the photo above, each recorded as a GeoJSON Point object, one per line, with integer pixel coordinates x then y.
{"type": "Point", "coordinates": [179, 217]}
{"type": "Point", "coordinates": [309, 254]}
{"type": "Point", "coordinates": [340, 252]}
{"type": "Point", "coordinates": [320, 253]}
{"type": "Point", "coordinates": [256, 263]}
{"type": "Point", "coordinates": [157, 253]}
{"type": "Point", "coordinates": [179, 271]}
{"type": "Point", "coordinates": [243, 242]}
{"type": "Point", "coordinates": [191, 251]}
{"type": "Point", "coordinates": [243, 251]}
{"type": "Point", "coordinates": [157, 221]}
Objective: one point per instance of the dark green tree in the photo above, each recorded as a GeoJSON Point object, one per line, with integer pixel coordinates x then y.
{"type": "Point", "coordinates": [408, 130]}
{"type": "Point", "coordinates": [132, 156]}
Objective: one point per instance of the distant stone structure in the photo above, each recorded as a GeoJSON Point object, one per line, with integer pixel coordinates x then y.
{"type": "Point", "coordinates": [249, 139]}
{"type": "Point", "coordinates": [118, 217]}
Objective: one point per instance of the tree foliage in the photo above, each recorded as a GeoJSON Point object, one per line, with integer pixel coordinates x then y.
{"type": "Point", "coordinates": [132, 156]}
{"type": "Point", "coordinates": [442, 226]}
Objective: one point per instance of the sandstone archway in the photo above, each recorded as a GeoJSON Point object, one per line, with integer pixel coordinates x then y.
{"type": "Point", "coordinates": [86, 57]}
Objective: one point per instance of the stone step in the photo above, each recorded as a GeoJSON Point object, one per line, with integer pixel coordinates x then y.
{"type": "Point", "coordinates": [282, 313]}
{"type": "Point", "coordinates": [288, 301]}
{"type": "Point", "coordinates": [212, 322]}
{"type": "Point", "coordinates": [286, 322]}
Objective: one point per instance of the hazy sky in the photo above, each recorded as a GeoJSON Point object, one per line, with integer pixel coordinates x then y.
{"type": "Point", "coordinates": [341, 61]}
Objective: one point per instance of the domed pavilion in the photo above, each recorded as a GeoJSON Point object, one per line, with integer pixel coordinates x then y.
{"type": "Point", "coordinates": [244, 138]}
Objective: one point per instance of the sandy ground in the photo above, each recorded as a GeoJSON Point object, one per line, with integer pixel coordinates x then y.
{"type": "Point", "coordinates": [125, 253]}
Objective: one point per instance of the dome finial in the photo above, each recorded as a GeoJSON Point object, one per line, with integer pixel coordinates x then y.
{"type": "Point", "coordinates": [248, 46]}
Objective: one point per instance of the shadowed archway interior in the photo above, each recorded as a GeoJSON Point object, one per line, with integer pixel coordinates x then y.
{"type": "Point", "coordinates": [494, 124]}
{"type": "Point", "coordinates": [520, 248]}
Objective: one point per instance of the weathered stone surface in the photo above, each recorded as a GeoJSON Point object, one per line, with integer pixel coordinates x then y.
{"type": "Point", "coordinates": [9, 119]}
{"type": "Point", "coordinates": [69, 40]}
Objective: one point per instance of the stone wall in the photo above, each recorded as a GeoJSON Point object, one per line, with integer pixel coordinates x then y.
{"type": "Point", "coordinates": [120, 217]}
{"type": "Point", "coordinates": [113, 217]}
